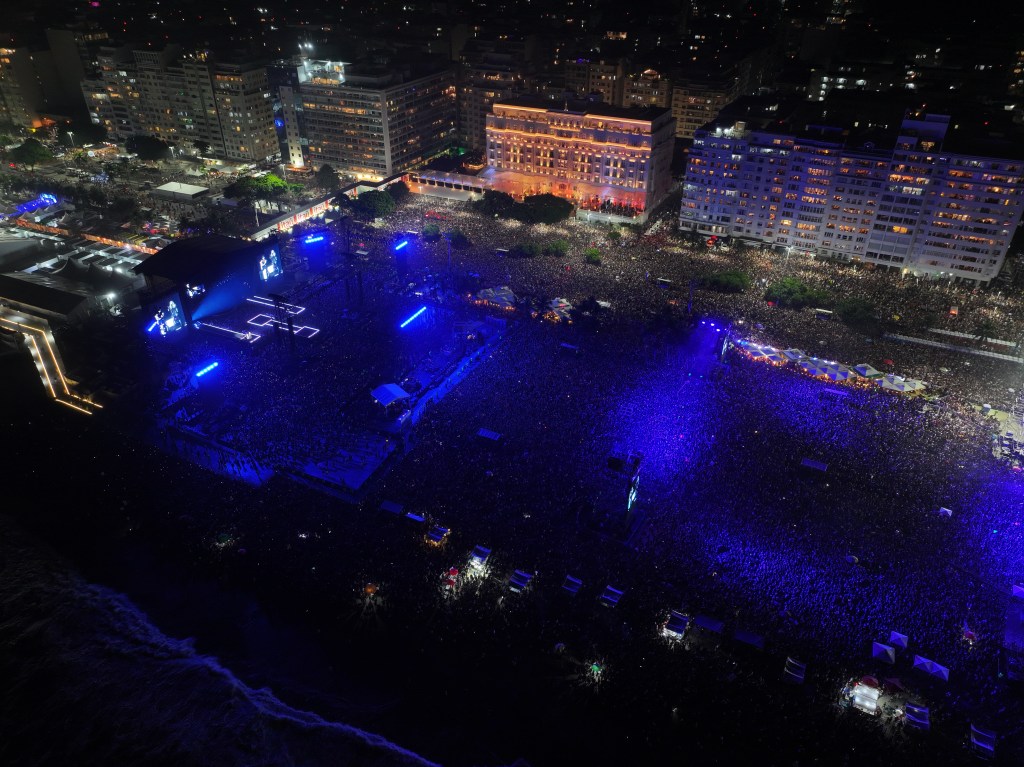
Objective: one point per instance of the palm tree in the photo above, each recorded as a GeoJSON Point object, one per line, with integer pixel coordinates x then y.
{"type": "Point", "coordinates": [985, 329]}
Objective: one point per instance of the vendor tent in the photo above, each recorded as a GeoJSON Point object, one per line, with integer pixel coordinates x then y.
{"type": "Point", "coordinates": [893, 383]}
{"type": "Point", "coordinates": [814, 367]}
{"type": "Point", "coordinates": [839, 373]}
{"type": "Point", "coordinates": [865, 698]}
{"type": "Point", "coordinates": [867, 371]}
{"type": "Point", "coordinates": [501, 297]}
{"type": "Point", "coordinates": [676, 625]}
{"type": "Point", "coordinates": [913, 384]}
{"type": "Point", "coordinates": [773, 355]}
{"type": "Point", "coordinates": [756, 353]}
{"type": "Point", "coordinates": [918, 717]}
{"type": "Point", "coordinates": [898, 640]}
{"type": "Point", "coordinates": [983, 741]}
{"type": "Point", "coordinates": [794, 354]}
{"type": "Point", "coordinates": [708, 623]}
{"type": "Point", "coordinates": [931, 667]}
{"type": "Point", "coordinates": [388, 394]}
{"type": "Point", "coordinates": [883, 652]}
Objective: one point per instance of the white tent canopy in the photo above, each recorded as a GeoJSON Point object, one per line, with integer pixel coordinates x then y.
{"type": "Point", "coordinates": [867, 371]}
{"type": "Point", "coordinates": [388, 394]}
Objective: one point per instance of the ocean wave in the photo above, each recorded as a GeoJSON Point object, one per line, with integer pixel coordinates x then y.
{"type": "Point", "coordinates": [88, 679]}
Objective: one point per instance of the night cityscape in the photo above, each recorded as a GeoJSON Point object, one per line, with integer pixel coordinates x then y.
{"type": "Point", "coordinates": [489, 384]}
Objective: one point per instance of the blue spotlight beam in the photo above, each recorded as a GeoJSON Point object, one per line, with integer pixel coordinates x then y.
{"type": "Point", "coordinates": [207, 369]}
{"type": "Point", "coordinates": [401, 245]}
{"type": "Point", "coordinates": [417, 314]}
{"type": "Point", "coordinates": [314, 238]}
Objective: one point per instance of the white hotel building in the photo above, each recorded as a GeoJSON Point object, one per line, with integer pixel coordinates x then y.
{"type": "Point", "coordinates": [897, 199]}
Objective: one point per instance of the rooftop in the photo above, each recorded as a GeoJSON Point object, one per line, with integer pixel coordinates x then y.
{"type": "Point", "coordinates": [591, 108]}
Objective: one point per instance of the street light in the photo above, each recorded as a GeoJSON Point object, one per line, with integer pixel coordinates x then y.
{"type": "Point", "coordinates": [72, 137]}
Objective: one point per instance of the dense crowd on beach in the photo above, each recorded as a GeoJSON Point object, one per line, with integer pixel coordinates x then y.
{"type": "Point", "coordinates": [728, 524]}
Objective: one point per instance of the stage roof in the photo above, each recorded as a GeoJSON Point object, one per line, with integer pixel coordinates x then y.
{"type": "Point", "coordinates": [43, 297]}
{"type": "Point", "coordinates": [199, 258]}
{"type": "Point", "coordinates": [179, 191]}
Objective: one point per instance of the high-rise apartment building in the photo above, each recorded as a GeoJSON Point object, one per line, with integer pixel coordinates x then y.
{"type": "Point", "coordinates": [910, 194]}
{"type": "Point", "coordinates": [602, 157]}
{"type": "Point", "coordinates": [366, 123]}
{"type": "Point", "coordinates": [185, 98]}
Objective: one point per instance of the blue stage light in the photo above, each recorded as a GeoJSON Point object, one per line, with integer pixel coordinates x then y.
{"type": "Point", "coordinates": [152, 327]}
{"type": "Point", "coordinates": [401, 245]}
{"type": "Point", "coordinates": [313, 238]}
{"type": "Point", "coordinates": [417, 314]}
{"type": "Point", "coordinates": [207, 369]}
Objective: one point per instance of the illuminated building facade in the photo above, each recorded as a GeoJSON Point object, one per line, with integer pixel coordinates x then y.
{"type": "Point", "coordinates": [366, 124]}
{"type": "Point", "coordinates": [913, 201]}
{"type": "Point", "coordinates": [601, 157]}
{"type": "Point", "coordinates": [183, 99]}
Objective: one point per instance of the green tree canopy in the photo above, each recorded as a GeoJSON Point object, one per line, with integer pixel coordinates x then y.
{"type": "Point", "coordinates": [524, 250]}
{"type": "Point", "coordinates": [148, 148]}
{"type": "Point", "coordinates": [985, 329]}
{"type": "Point", "coordinates": [592, 256]}
{"type": "Point", "coordinates": [558, 248]}
{"type": "Point", "coordinates": [729, 281]}
{"type": "Point", "coordinates": [431, 231]}
{"type": "Point", "coordinates": [858, 313]}
{"type": "Point", "coordinates": [795, 294]}
{"type": "Point", "coordinates": [545, 209]}
{"type": "Point", "coordinates": [31, 153]}
{"type": "Point", "coordinates": [398, 191]}
{"type": "Point", "coordinates": [327, 178]}
{"type": "Point", "coordinates": [496, 203]}
{"type": "Point", "coordinates": [459, 240]}
{"type": "Point", "coordinates": [374, 204]}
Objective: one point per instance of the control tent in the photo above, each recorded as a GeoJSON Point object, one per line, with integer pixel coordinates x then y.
{"type": "Point", "coordinates": [388, 394]}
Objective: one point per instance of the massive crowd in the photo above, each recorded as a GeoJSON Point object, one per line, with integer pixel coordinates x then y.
{"type": "Point", "coordinates": [730, 524]}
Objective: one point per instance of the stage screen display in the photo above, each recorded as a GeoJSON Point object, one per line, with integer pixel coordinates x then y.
{"type": "Point", "coordinates": [168, 318]}
{"type": "Point", "coordinates": [270, 265]}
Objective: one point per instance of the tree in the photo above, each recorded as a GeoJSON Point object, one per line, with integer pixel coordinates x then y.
{"type": "Point", "coordinates": [327, 178]}
{"type": "Point", "coordinates": [496, 204]}
{"type": "Point", "coordinates": [592, 256]}
{"type": "Point", "coordinates": [431, 232]}
{"type": "Point", "coordinates": [524, 250]}
{"type": "Point", "coordinates": [31, 153]}
{"type": "Point", "coordinates": [374, 204]}
{"type": "Point", "coordinates": [730, 281]}
{"type": "Point", "coordinates": [614, 235]}
{"type": "Point", "coordinates": [398, 191]}
{"type": "Point", "coordinates": [201, 146]}
{"type": "Point", "coordinates": [793, 293]}
{"type": "Point", "coordinates": [858, 313]}
{"type": "Point", "coordinates": [544, 209]}
{"type": "Point", "coordinates": [148, 148]}
{"type": "Point", "coordinates": [985, 329]}
{"type": "Point", "coordinates": [458, 240]}
{"type": "Point", "coordinates": [558, 249]}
